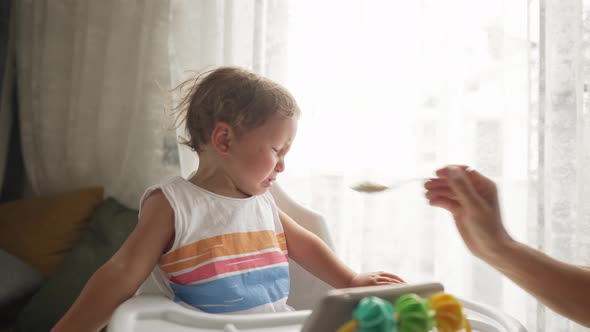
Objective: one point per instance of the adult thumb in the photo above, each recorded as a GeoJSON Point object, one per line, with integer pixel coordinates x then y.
{"type": "Point", "coordinates": [462, 187]}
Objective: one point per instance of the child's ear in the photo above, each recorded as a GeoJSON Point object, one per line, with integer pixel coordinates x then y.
{"type": "Point", "coordinates": [222, 137]}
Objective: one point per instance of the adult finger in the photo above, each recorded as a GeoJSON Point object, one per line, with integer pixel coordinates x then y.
{"type": "Point", "coordinates": [448, 204]}
{"type": "Point", "coordinates": [436, 183]}
{"type": "Point", "coordinates": [483, 184]}
{"type": "Point", "coordinates": [444, 172]}
{"type": "Point", "coordinates": [441, 192]}
{"type": "Point", "coordinates": [463, 188]}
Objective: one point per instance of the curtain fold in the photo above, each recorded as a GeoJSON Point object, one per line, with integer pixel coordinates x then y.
{"type": "Point", "coordinates": [93, 79]}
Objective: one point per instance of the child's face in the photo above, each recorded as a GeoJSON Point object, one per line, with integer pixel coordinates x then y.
{"type": "Point", "coordinates": [259, 155]}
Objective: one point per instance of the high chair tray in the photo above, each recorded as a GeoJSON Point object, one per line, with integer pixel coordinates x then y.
{"type": "Point", "coordinates": [157, 313]}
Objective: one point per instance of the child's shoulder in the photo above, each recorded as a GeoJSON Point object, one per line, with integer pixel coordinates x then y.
{"type": "Point", "coordinates": [168, 184]}
{"type": "Point", "coordinates": [162, 191]}
{"type": "Point", "coordinates": [156, 197]}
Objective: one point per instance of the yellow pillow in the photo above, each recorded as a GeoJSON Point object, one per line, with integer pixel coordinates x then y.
{"type": "Point", "coordinates": [41, 231]}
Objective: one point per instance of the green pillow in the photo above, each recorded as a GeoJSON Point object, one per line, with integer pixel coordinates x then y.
{"type": "Point", "coordinates": [110, 225]}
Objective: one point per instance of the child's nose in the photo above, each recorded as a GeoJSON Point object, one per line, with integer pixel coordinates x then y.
{"type": "Point", "coordinates": [280, 166]}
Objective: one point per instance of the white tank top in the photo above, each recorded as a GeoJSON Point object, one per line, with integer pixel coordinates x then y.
{"type": "Point", "coordinates": [229, 255]}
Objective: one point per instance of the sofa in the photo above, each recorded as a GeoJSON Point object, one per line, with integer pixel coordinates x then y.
{"type": "Point", "coordinates": [49, 248]}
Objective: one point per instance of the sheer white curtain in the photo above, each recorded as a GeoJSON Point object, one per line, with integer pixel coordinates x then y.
{"type": "Point", "coordinates": [559, 169]}
{"type": "Point", "coordinates": [394, 89]}
{"type": "Point", "coordinates": [207, 34]}
{"type": "Point", "coordinates": [92, 80]}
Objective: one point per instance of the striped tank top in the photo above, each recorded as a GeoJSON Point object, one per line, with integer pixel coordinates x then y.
{"type": "Point", "coordinates": [229, 255]}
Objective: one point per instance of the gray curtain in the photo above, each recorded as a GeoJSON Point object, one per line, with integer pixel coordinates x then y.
{"type": "Point", "coordinates": [6, 80]}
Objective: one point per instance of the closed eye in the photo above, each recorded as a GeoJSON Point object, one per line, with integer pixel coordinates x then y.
{"type": "Point", "coordinates": [275, 150]}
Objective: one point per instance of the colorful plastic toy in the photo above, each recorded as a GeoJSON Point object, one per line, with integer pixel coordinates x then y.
{"type": "Point", "coordinates": [411, 313]}
{"type": "Point", "coordinates": [372, 314]}
{"type": "Point", "coordinates": [449, 313]}
{"type": "Point", "coordinates": [415, 314]}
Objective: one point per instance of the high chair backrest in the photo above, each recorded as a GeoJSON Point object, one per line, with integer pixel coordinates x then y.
{"type": "Point", "coordinates": [306, 290]}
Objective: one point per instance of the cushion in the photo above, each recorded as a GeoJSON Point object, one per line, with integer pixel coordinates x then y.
{"type": "Point", "coordinates": [109, 227]}
{"type": "Point", "coordinates": [18, 281]}
{"type": "Point", "coordinates": [41, 231]}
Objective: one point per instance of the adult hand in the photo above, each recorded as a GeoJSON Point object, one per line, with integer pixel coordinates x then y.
{"type": "Point", "coordinates": [473, 201]}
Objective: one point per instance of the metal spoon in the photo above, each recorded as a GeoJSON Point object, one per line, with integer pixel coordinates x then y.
{"type": "Point", "coordinates": [373, 187]}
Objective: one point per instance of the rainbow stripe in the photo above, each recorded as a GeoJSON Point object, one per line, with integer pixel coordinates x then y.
{"type": "Point", "coordinates": [230, 272]}
{"type": "Point", "coordinates": [237, 293]}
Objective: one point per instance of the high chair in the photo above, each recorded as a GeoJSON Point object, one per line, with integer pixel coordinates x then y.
{"type": "Point", "coordinates": [150, 310]}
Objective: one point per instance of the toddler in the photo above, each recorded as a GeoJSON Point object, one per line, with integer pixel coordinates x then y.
{"type": "Point", "coordinates": [217, 241]}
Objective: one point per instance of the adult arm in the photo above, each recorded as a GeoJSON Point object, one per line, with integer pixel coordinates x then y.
{"type": "Point", "coordinates": [473, 201]}
{"type": "Point", "coordinates": [565, 288]}
{"type": "Point", "coordinates": [119, 278]}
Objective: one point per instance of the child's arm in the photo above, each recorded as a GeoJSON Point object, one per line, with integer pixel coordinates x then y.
{"type": "Point", "coordinates": [316, 257]}
{"type": "Point", "coordinates": [120, 277]}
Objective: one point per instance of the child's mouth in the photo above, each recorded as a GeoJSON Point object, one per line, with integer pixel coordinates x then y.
{"type": "Point", "coordinates": [268, 182]}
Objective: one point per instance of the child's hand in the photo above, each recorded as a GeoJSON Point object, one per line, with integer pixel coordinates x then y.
{"type": "Point", "coordinates": [375, 278]}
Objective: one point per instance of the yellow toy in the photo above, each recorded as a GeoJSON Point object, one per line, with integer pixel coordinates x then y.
{"type": "Point", "coordinates": [449, 313]}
